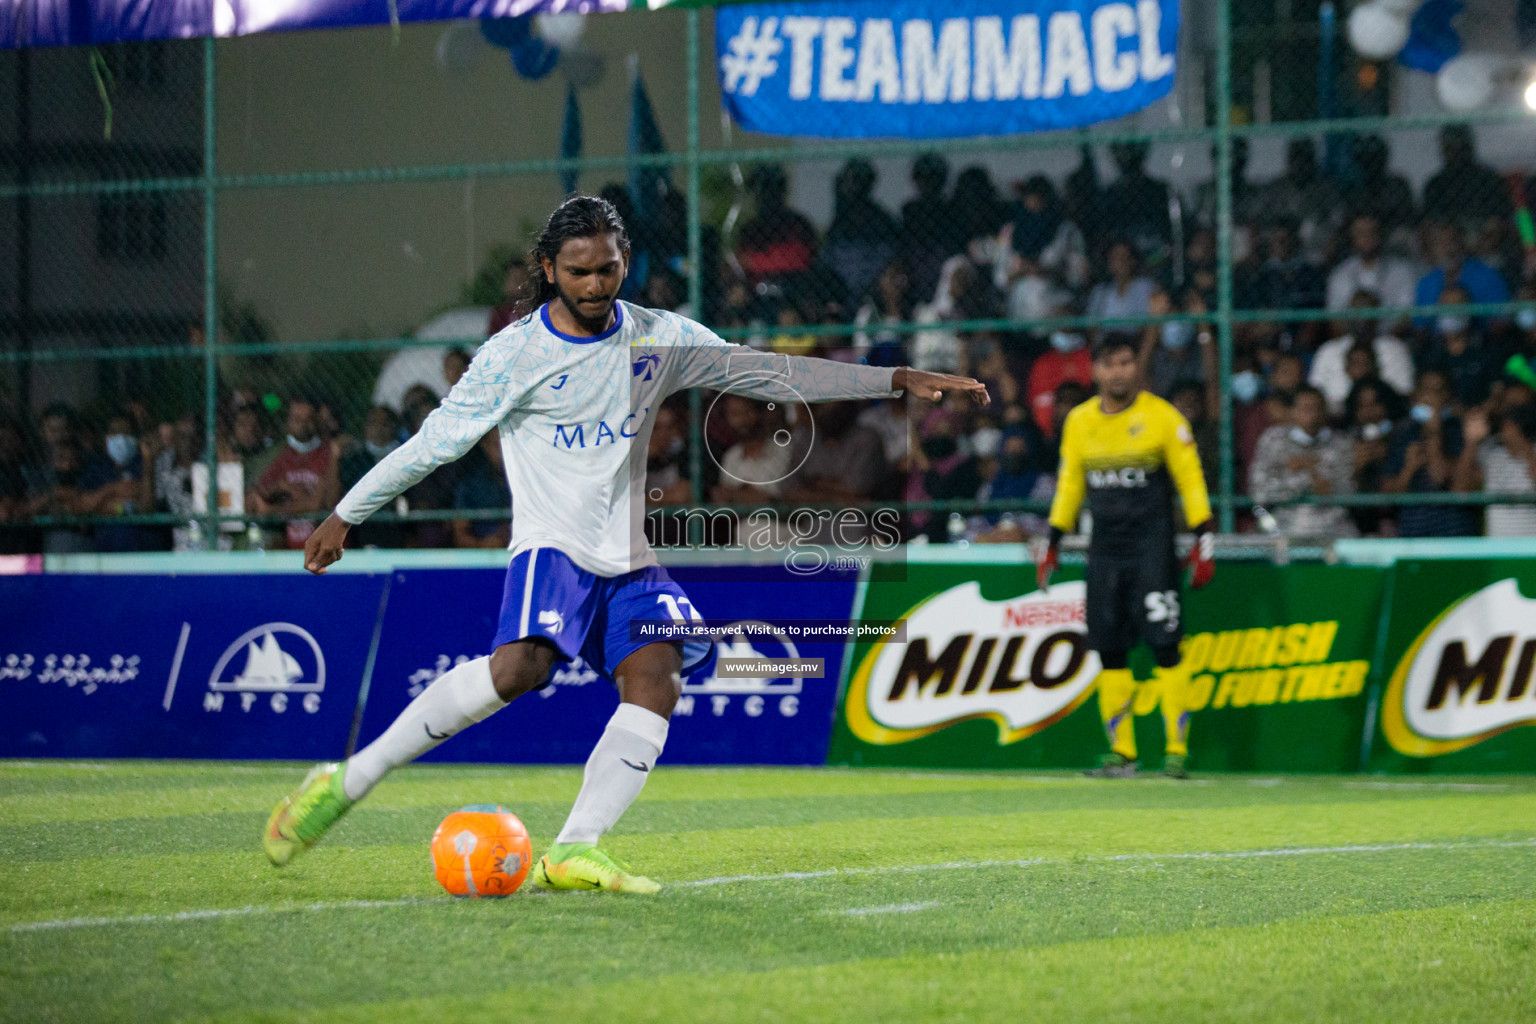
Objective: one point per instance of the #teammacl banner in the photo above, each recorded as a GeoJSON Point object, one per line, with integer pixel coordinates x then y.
{"type": "Point", "coordinates": [920, 69]}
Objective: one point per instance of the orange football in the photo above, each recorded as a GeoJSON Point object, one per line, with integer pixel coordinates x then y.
{"type": "Point", "coordinates": [481, 850]}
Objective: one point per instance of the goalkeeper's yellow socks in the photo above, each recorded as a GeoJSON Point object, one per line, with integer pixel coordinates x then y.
{"type": "Point", "coordinates": [1116, 688]}
{"type": "Point", "coordinates": [1174, 682]}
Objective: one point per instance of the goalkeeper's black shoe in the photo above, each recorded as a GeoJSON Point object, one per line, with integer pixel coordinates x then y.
{"type": "Point", "coordinates": [1113, 766]}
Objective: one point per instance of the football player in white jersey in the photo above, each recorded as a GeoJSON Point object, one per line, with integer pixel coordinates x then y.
{"type": "Point", "coordinates": [572, 389]}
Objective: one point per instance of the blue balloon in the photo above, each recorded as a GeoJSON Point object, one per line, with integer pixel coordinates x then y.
{"type": "Point", "coordinates": [532, 58]}
{"type": "Point", "coordinates": [1431, 39]}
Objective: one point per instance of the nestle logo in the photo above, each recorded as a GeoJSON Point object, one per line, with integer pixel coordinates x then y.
{"type": "Point", "coordinates": [1056, 613]}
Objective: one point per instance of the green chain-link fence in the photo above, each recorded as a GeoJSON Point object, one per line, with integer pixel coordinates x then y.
{"type": "Point", "coordinates": [283, 240]}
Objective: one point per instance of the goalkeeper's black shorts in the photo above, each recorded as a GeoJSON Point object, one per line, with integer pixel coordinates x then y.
{"type": "Point", "coordinates": [1134, 600]}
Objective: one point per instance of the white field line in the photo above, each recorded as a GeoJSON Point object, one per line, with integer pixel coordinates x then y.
{"type": "Point", "coordinates": [1119, 858]}
{"type": "Point", "coordinates": [889, 908]}
{"type": "Point", "coordinates": [789, 876]}
{"type": "Point", "coordinates": [203, 915]}
{"type": "Point", "coordinates": [1457, 787]}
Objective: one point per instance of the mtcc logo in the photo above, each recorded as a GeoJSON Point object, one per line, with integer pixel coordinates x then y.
{"type": "Point", "coordinates": [278, 659]}
{"type": "Point", "coordinates": [758, 695]}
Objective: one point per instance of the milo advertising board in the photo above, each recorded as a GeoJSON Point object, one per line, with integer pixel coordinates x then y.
{"type": "Point", "coordinates": [995, 673]}
{"type": "Point", "coordinates": [1461, 653]}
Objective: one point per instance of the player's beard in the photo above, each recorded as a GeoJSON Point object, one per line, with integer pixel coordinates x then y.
{"type": "Point", "coordinates": [592, 323]}
{"type": "Point", "coordinates": [1121, 392]}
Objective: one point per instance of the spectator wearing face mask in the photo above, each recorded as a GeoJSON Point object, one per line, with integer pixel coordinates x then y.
{"type": "Point", "coordinates": [1177, 352]}
{"type": "Point", "coordinates": [1300, 459]}
{"type": "Point", "coordinates": [1421, 456]}
{"type": "Point", "coordinates": [1457, 347]}
{"type": "Point", "coordinates": [1371, 413]}
{"type": "Point", "coordinates": [1066, 360]}
{"type": "Point", "coordinates": [301, 479]}
{"type": "Point", "coordinates": [119, 485]}
{"type": "Point", "coordinates": [1018, 476]}
{"type": "Point", "coordinates": [1501, 461]}
{"type": "Point", "coordinates": [1250, 414]}
{"type": "Point", "coordinates": [1394, 363]}
{"type": "Point", "coordinates": [1259, 401]}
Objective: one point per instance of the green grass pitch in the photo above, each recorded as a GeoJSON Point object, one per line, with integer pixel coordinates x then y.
{"type": "Point", "coordinates": [134, 891]}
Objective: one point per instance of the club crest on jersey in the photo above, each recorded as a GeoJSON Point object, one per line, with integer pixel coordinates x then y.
{"type": "Point", "coordinates": [647, 365]}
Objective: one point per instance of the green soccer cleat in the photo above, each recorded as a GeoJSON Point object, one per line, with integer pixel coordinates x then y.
{"type": "Point", "coordinates": [1113, 766]}
{"type": "Point", "coordinates": [1173, 767]}
{"type": "Point", "coordinates": [583, 867]}
{"type": "Point", "coordinates": [302, 817]}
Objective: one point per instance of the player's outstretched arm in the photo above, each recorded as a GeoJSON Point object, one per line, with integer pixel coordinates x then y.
{"type": "Point", "coordinates": [478, 403]}
{"type": "Point", "coordinates": [711, 362]}
{"type": "Point", "coordinates": [932, 387]}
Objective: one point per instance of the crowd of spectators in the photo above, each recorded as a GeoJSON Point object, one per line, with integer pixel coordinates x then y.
{"type": "Point", "coordinates": [1332, 398]}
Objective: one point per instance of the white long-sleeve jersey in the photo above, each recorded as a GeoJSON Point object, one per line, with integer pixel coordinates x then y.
{"type": "Point", "coordinates": [575, 416]}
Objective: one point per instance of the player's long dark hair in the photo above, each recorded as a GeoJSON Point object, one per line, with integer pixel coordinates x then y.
{"type": "Point", "coordinates": [577, 217]}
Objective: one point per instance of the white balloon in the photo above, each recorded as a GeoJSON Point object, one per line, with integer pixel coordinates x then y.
{"type": "Point", "coordinates": [561, 30]}
{"type": "Point", "coordinates": [224, 21]}
{"type": "Point", "coordinates": [1377, 31]}
{"type": "Point", "coordinates": [1467, 82]}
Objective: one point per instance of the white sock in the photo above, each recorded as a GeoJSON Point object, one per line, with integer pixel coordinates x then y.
{"type": "Point", "coordinates": [616, 772]}
{"type": "Point", "coordinates": [458, 698]}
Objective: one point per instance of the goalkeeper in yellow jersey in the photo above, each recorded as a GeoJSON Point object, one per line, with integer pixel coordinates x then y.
{"type": "Point", "coordinates": [1128, 451]}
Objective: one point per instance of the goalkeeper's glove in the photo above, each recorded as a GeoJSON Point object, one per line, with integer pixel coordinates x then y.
{"type": "Point", "coordinates": [1202, 557]}
{"type": "Point", "coordinates": [1047, 558]}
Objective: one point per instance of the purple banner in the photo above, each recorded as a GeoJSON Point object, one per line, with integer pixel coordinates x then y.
{"type": "Point", "coordinates": [28, 23]}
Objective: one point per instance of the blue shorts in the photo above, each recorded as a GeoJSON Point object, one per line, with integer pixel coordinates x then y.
{"type": "Point", "coordinates": [550, 597]}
